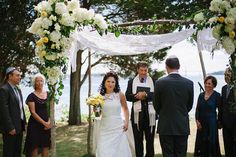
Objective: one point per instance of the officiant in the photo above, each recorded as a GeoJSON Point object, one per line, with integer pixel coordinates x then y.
{"type": "Point", "coordinates": [143, 117]}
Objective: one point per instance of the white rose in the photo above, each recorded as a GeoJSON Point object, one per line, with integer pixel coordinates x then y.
{"type": "Point", "coordinates": [46, 23]}
{"type": "Point", "coordinates": [57, 27]}
{"type": "Point", "coordinates": [51, 57]}
{"type": "Point", "coordinates": [51, 1]}
{"type": "Point", "coordinates": [40, 32]}
{"type": "Point", "coordinates": [228, 45]}
{"type": "Point", "coordinates": [38, 49]}
{"type": "Point", "coordinates": [215, 6]}
{"type": "Point", "coordinates": [46, 32]}
{"type": "Point", "coordinates": [225, 5]}
{"type": "Point", "coordinates": [53, 75]}
{"type": "Point", "coordinates": [216, 31]}
{"type": "Point", "coordinates": [231, 13]}
{"type": "Point", "coordinates": [233, 3]}
{"type": "Point", "coordinates": [65, 42]}
{"type": "Point", "coordinates": [90, 14]}
{"type": "Point", "coordinates": [43, 6]}
{"type": "Point", "coordinates": [36, 25]}
{"type": "Point", "coordinates": [61, 8]}
{"type": "Point", "coordinates": [229, 20]}
{"type": "Point", "coordinates": [67, 20]}
{"type": "Point", "coordinates": [80, 14]}
{"type": "Point", "coordinates": [55, 36]}
{"type": "Point", "coordinates": [58, 45]}
{"type": "Point", "coordinates": [53, 18]}
{"type": "Point", "coordinates": [73, 5]}
{"type": "Point", "coordinates": [229, 28]}
{"type": "Point", "coordinates": [199, 17]}
{"type": "Point", "coordinates": [213, 19]}
{"type": "Point", "coordinates": [100, 22]}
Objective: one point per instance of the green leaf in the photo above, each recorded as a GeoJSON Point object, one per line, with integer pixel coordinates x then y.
{"type": "Point", "coordinates": [117, 33]}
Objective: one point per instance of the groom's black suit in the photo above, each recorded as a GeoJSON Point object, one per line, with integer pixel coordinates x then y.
{"type": "Point", "coordinates": [10, 118]}
{"type": "Point", "coordinates": [143, 124]}
{"type": "Point", "coordinates": [228, 121]}
{"type": "Point", "coordinates": [173, 99]}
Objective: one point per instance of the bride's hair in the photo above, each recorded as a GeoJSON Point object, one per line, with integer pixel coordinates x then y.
{"type": "Point", "coordinates": [102, 88]}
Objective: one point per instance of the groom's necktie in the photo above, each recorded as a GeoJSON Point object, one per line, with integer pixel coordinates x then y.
{"type": "Point", "coordinates": [20, 102]}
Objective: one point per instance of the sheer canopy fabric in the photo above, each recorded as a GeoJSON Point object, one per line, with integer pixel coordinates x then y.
{"type": "Point", "coordinates": [124, 44]}
{"type": "Point", "coordinates": [205, 40]}
{"type": "Point", "coordinates": [109, 44]}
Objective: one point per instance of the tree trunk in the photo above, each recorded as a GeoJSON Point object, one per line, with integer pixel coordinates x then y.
{"type": "Point", "coordinates": [75, 84]}
{"type": "Point", "coordinates": [89, 109]}
{"type": "Point", "coordinates": [233, 67]}
{"type": "Point", "coordinates": [53, 129]}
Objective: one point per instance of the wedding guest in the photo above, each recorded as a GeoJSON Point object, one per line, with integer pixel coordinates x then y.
{"type": "Point", "coordinates": [173, 99]}
{"type": "Point", "coordinates": [38, 130]}
{"type": "Point", "coordinates": [227, 118]}
{"type": "Point", "coordinates": [12, 115]}
{"type": "Point", "coordinates": [143, 117]}
{"type": "Point", "coordinates": [112, 140]}
{"type": "Point", "coordinates": [206, 119]}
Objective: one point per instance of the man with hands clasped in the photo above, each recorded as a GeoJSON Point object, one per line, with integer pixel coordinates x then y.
{"type": "Point", "coordinates": [143, 117]}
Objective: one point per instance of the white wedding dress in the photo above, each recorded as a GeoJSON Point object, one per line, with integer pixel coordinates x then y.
{"type": "Point", "coordinates": [112, 140]}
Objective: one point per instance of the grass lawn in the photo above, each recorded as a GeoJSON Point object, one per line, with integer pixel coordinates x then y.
{"type": "Point", "coordinates": [72, 141]}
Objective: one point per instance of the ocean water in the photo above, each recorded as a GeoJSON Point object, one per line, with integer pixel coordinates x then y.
{"type": "Point", "coordinates": [63, 107]}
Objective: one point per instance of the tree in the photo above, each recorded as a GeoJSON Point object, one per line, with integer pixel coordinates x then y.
{"type": "Point", "coordinates": [15, 48]}
{"type": "Point", "coordinates": [122, 11]}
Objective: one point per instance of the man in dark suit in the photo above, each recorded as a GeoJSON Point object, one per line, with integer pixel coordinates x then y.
{"type": "Point", "coordinates": [226, 117]}
{"type": "Point", "coordinates": [143, 117]}
{"type": "Point", "coordinates": [12, 116]}
{"type": "Point", "coordinates": [173, 99]}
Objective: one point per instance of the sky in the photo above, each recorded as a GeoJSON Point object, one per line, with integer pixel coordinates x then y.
{"type": "Point", "coordinates": [190, 62]}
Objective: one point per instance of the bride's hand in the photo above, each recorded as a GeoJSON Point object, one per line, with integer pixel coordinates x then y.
{"type": "Point", "coordinates": [125, 127]}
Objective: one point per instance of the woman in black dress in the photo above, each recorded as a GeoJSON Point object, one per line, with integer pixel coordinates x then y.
{"type": "Point", "coordinates": [38, 130]}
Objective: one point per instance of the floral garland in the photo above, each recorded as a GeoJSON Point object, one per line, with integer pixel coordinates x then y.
{"type": "Point", "coordinates": [221, 17]}
{"type": "Point", "coordinates": [52, 29]}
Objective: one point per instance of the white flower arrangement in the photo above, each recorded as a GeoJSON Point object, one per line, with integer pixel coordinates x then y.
{"type": "Point", "coordinates": [223, 19]}
{"type": "Point", "coordinates": [56, 21]}
{"type": "Point", "coordinates": [221, 16]}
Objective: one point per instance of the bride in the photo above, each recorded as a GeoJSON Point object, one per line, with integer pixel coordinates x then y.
{"type": "Point", "coordinates": [112, 140]}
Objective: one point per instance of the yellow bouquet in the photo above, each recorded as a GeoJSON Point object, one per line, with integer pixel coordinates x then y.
{"type": "Point", "coordinates": [97, 102]}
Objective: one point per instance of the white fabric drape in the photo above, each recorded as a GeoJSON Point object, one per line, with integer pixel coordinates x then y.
{"type": "Point", "coordinates": [205, 40]}
{"type": "Point", "coordinates": [124, 44]}
{"type": "Point", "coordinates": [134, 44]}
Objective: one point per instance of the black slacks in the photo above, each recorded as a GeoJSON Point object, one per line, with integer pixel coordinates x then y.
{"type": "Point", "coordinates": [229, 136]}
{"type": "Point", "coordinates": [138, 140]}
{"type": "Point", "coordinates": [12, 145]}
{"type": "Point", "coordinates": [174, 145]}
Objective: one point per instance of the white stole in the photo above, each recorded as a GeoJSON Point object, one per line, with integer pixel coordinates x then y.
{"type": "Point", "coordinates": [137, 105]}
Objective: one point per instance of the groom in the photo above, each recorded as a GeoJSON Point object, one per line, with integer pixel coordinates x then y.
{"type": "Point", "coordinates": [173, 99]}
{"type": "Point", "coordinates": [143, 117]}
